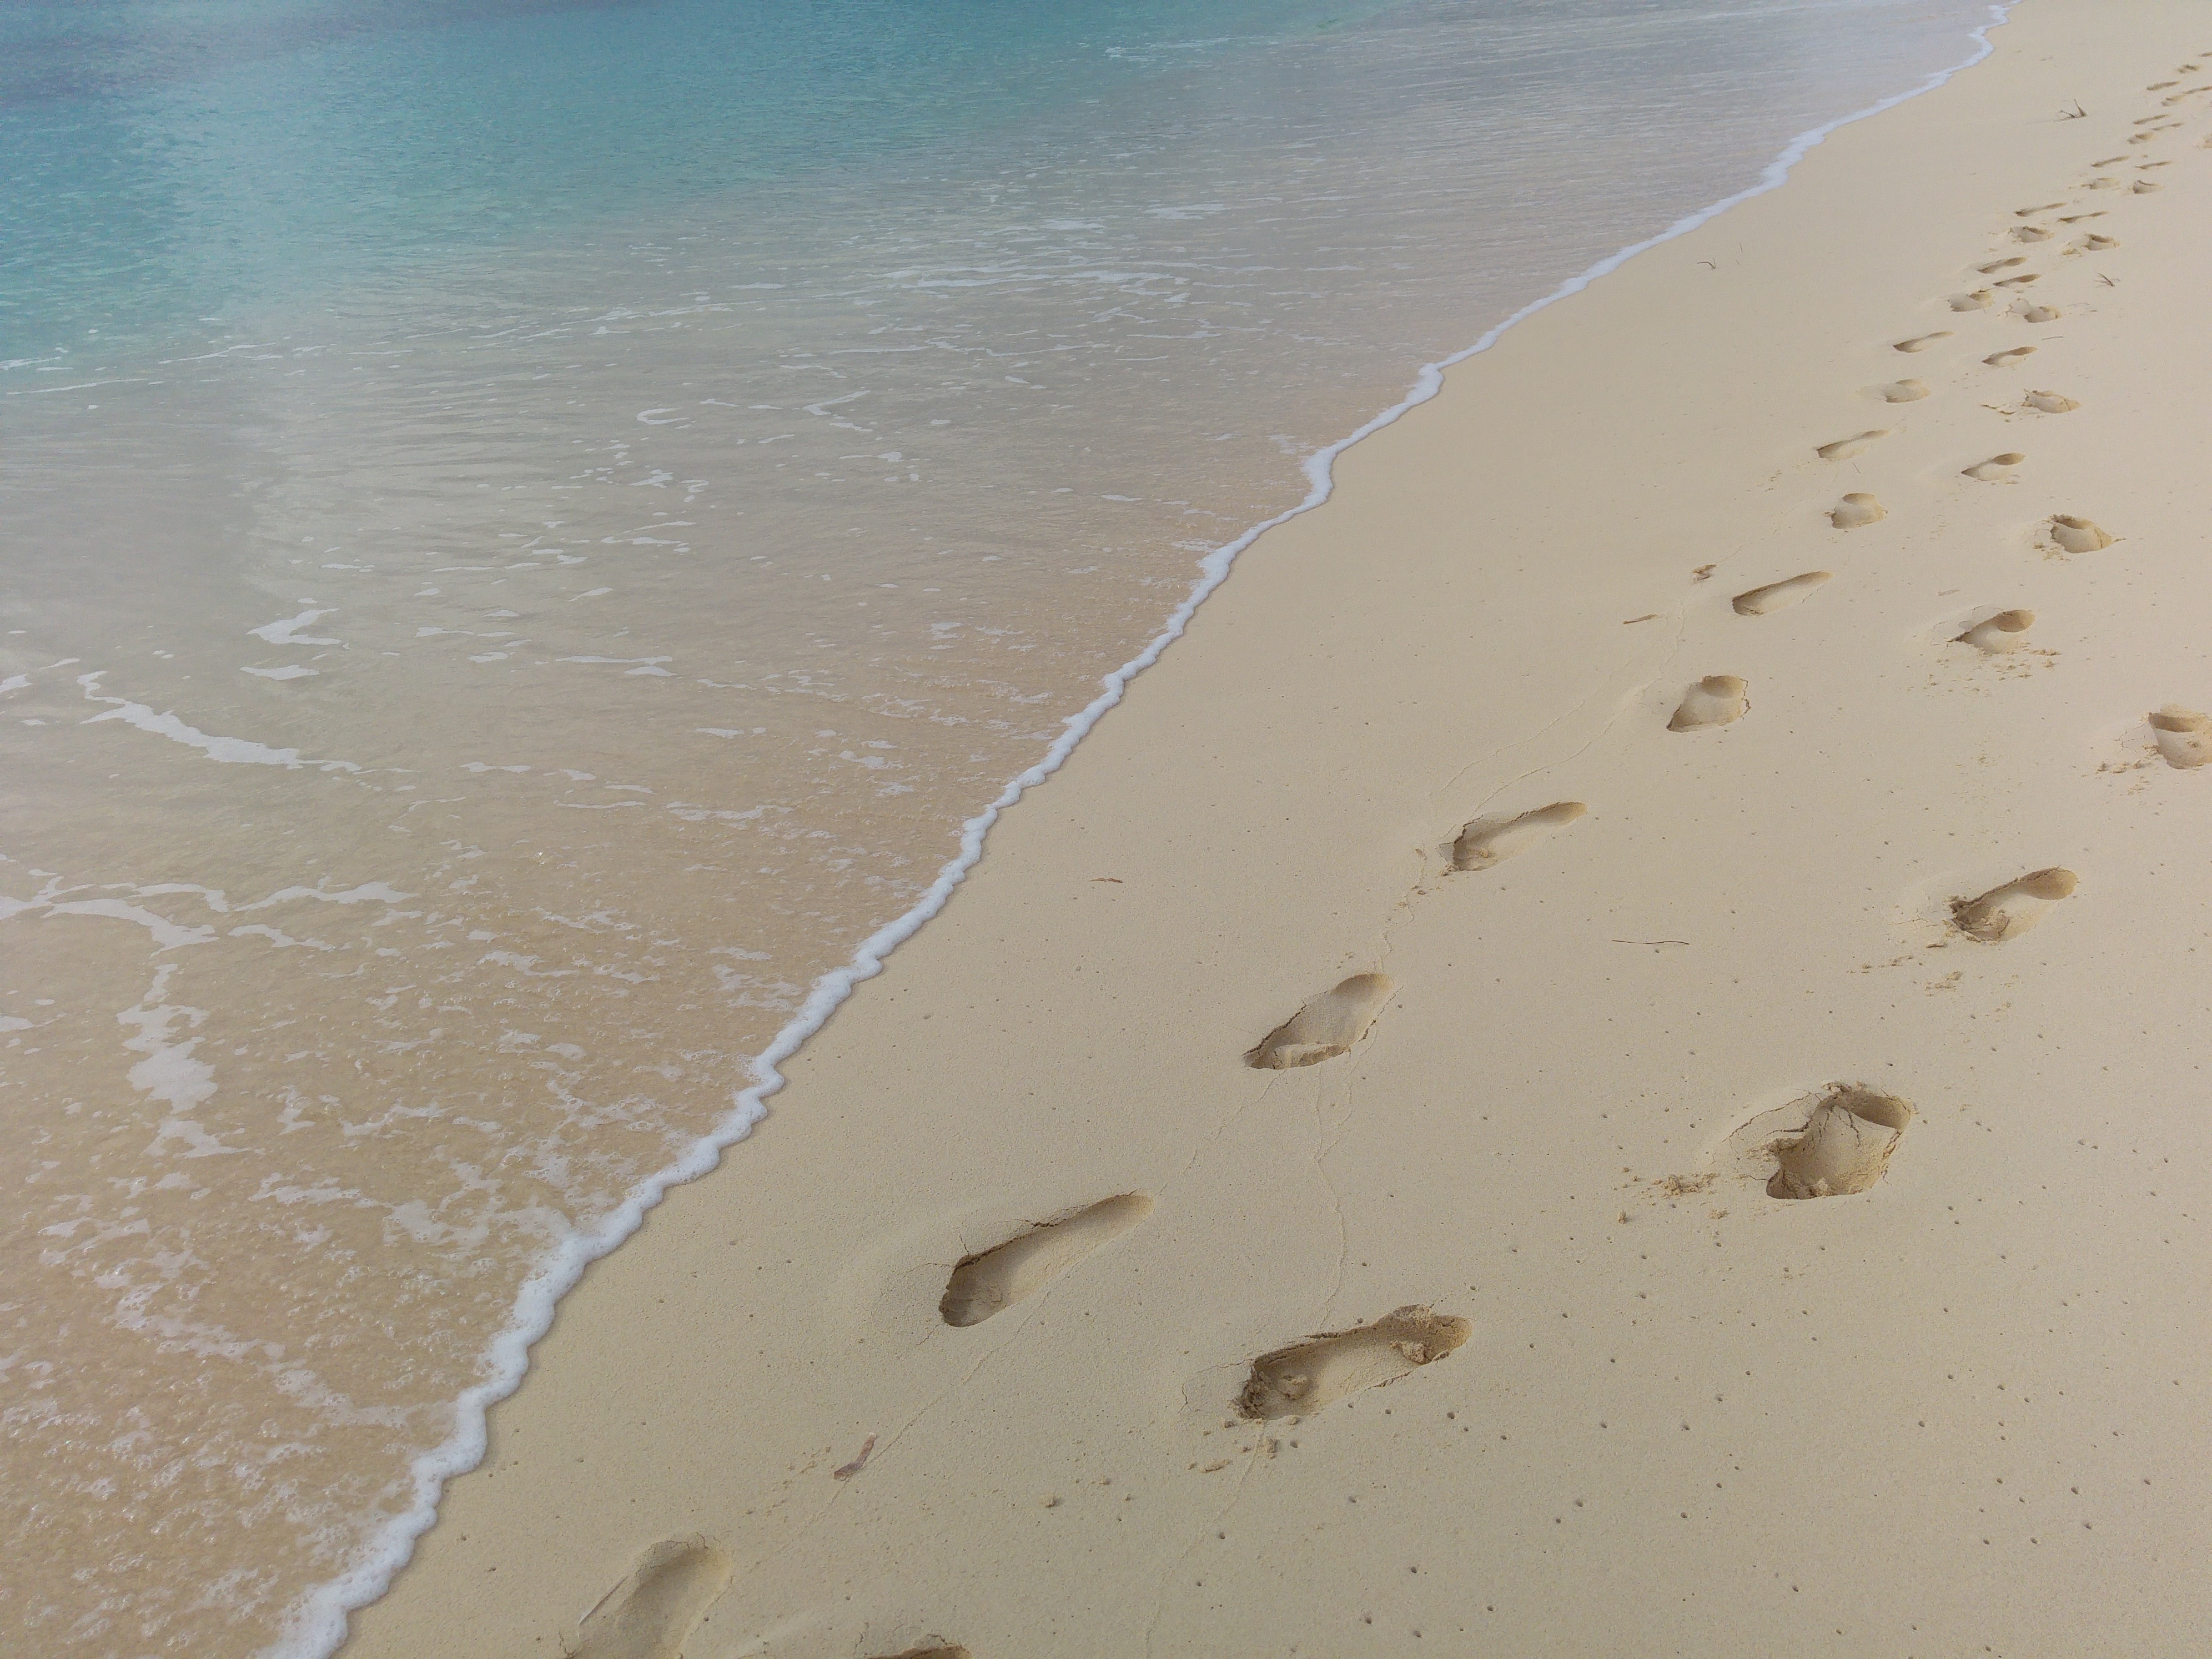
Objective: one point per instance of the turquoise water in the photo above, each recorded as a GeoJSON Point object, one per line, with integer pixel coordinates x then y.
{"type": "Point", "coordinates": [531, 533]}
{"type": "Point", "coordinates": [167, 164]}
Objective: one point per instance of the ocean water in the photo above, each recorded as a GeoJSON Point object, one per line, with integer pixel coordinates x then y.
{"type": "Point", "coordinates": [530, 532]}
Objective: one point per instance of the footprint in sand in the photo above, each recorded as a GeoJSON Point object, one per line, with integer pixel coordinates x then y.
{"type": "Point", "coordinates": [2002, 264]}
{"type": "Point", "coordinates": [2100, 184]}
{"type": "Point", "coordinates": [2109, 161]}
{"type": "Point", "coordinates": [2037, 233]}
{"type": "Point", "coordinates": [2144, 186]}
{"type": "Point", "coordinates": [2095, 243]}
{"type": "Point", "coordinates": [1778, 596]}
{"type": "Point", "coordinates": [2039, 313]}
{"type": "Point", "coordinates": [1902, 392]}
{"type": "Point", "coordinates": [993, 1280]}
{"type": "Point", "coordinates": [1858, 444]}
{"type": "Point", "coordinates": [1307, 1376]}
{"type": "Point", "coordinates": [651, 1613]}
{"type": "Point", "coordinates": [1980, 300]}
{"type": "Point", "coordinates": [2006, 631]}
{"type": "Point", "coordinates": [1845, 1146]}
{"type": "Point", "coordinates": [2079, 535]}
{"type": "Point", "coordinates": [2050, 402]}
{"type": "Point", "coordinates": [2028, 279]}
{"type": "Point", "coordinates": [1325, 1027]}
{"type": "Point", "coordinates": [1995, 470]}
{"type": "Point", "coordinates": [2077, 218]}
{"type": "Point", "coordinates": [935, 1650]}
{"type": "Point", "coordinates": [2009, 911]}
{"type": "Point", "coordinates": [2041, 207]}
{"type": "Point", "coordinates": [1922, 341]}
{"type": "Point", "coordinates": [2007, 359]}
{"type": "Point", "coordinates": [1489, 841]}
{"type": "Point", "coordinates": [1716, 700]}
{"type": "Point", "coordinates": [2184, 736]}
{"type": "Point", "coordinates": [1856, 511]}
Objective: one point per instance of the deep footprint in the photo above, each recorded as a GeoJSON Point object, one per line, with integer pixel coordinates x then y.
{"type": "Point", "coordinates": [2078, 535]}
{"type": "Point", "coordinates": [1716, 700]}
{"type": "Point", "coordinates": [2009, 911]}
{"type": "Point", "coordinates": [1488, 841]}
{"type": "Point", "coordinates": [2040, 314]}
{"type": "Point", "coordinates": [2050, 402]}
{"type": "Point", "coordinates": [1922, 341]}
{"type": "Point", "coordinates": [1779, 596]}
{"type": "Point", "coordinates": [651, 1613]}
{"type": "Point", "coordinates": [1856, 511]}
{"type": "Point", "coordinates": [1979, 300]}
{"type": "Point", "coordinates": [938, 1651]}
{"type": "Point", "coordinates": [2183, 735]}
{"type": "Point", "coordinates": [1903, 391]}
{"type": "Point", "coordinates": [1995, 470]}
{"type": "Point", "coordinates": [2006, 631]}
{"type": "Point", "coordinates": [1325, 1027]}
{"type": "Point", "coordinates": [1307, 1376]}
{"type": "Point", "coordinates": [1845, 1147]}
{"type": "Point", "coordinates": [2007, 359]}
{"type": "Point", "coordinates": [993, 1280]}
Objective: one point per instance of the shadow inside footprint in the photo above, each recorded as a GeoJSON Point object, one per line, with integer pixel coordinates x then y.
{"type": "Point", "coordinates": [1325, 1027]}
{"type": "Point", "coordinates": [1857, 510]}
{"type": "Point", "coordinates": [1779, 596]}
{"type": "Point", "coordinates": [938, 1651]}
{"type": "Point", "coordinates": [1979, 300]}
{"type": "Point", "coordinates": [1902, 392]}
{"type": "Point", "coordinates": [2052, 403]}
{"type": "Point", "coordinates": [2006, 631]}
{"type": "Point", "coordinates": [2009, 911]}
{"type": "Point", "coordinates": [1716, 700]}
{"type": "Point", "coordinates": [2078, 535]}
{"type": "Point", "coordinates": [1995, 470]}
{"type": "Point", "coordinates": [1845, 1146]}
{"type": "Point", "coordinates": [1487, 842]}
{"type": "Point", "coordinates": [993, 1280]}
{"type": "Point", "coordinates": [1307, 1376]}
{"type": "Point", "coordinates": [1922, 341]}
{"type": "Point", "coordinates": [2183, 735]}
{"type": "Point", "coordinates": [2007, 359]}
{"type": "Point", "coordinates": [2040, 314]}
{"type": "Point", "coordinates": [651, 1613]}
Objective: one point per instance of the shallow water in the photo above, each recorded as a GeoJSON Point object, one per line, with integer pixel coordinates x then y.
{"type": "Point", "coordinates": [527, 530]}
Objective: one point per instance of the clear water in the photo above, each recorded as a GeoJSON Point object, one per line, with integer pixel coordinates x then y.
{"type": "Point", "coordinates": [528, 528]}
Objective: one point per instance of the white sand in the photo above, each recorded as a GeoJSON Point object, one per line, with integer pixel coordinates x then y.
{"type": "Point", "coordinates": [1963, 1411]}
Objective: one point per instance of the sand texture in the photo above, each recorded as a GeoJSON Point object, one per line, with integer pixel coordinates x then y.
{"type": "Point", "coordinates": [1603, 1061]}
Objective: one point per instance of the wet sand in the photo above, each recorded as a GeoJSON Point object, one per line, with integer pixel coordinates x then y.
{"type": "Point", "coordinates": [1758, 1212]}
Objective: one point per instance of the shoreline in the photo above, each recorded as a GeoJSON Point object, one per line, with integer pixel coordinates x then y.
{"type": "Point", "coordinates": [320, 1628]}
{"type": "Point", "coordinates": [1370, 814]}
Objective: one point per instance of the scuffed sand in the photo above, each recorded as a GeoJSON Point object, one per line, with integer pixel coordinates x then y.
{"type": "Point", "coordinates": [1594, 1380]}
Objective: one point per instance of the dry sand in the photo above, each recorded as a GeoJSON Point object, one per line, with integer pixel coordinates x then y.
{"type": "Point", "coordinates": [1953, 1402]}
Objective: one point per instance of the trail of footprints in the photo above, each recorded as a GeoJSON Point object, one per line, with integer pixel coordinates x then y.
{"type": "Point", "coordinates": [1837, 1143]}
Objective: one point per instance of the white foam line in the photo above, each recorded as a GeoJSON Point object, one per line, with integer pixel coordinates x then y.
{"type": "Point", "coordinates": [318, 1624]}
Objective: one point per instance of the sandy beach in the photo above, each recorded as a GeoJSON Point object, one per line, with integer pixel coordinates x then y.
{"type": "Point", "coordinates": [1751, 1177]}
